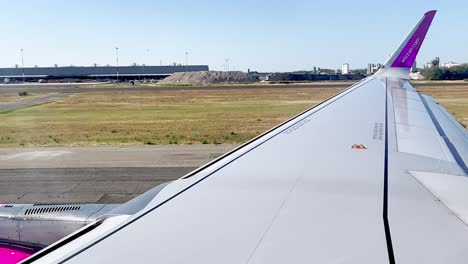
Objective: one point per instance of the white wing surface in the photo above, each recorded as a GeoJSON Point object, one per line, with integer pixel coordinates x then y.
{"type": "Point", "coordinates": [375, 174]}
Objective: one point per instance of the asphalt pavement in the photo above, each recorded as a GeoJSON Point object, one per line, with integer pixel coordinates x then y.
{"type": "Point", "coordinates": [95, 174]}
{"type": "Point", "coordinates": [82, 185]}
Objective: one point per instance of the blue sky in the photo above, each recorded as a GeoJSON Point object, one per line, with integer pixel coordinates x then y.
{"type": "Point", "coordinates": [261, 35]}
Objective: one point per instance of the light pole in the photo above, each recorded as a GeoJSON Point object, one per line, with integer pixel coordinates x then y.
{"type": "Point", "coordinates": [117, 61]}
{"type": "Point", "coordinates": [148, 57]}
{"type": "Point", "coordinates": [227, 69]}
{"type": "Point", "coordinates": [186, 61]}
{"type": "Point", "coordinates": [22, 63]}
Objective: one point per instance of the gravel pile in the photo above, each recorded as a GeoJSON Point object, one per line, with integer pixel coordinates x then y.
{"type": "Point", "coordinates": [208, 77]}
{"type": "Point", "coordinates": [416, 76]}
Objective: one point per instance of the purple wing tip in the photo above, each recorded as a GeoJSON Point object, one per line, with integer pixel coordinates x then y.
{"type": "Point", "coordinates": [408, 54]}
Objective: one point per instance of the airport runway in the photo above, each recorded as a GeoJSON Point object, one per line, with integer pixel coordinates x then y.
{"type": "Point", "coordinates": [82, 185]}
{"type": "Point", "coordinates": [95, 174]}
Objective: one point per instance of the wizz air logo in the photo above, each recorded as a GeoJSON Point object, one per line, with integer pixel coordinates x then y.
{"type": "Point", "coordinates": [415, 44]}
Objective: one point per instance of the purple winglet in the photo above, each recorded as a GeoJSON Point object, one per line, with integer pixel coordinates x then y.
{"type": "Point", "coordinates": [408, 54]}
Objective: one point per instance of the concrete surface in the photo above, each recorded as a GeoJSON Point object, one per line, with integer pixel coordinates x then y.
{"type": "Point", "coordinates": [95, 174]}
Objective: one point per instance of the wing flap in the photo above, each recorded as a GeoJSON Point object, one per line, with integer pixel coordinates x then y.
{"type": "Point", "coordinates": [452, 133]}
{"type": "Point", "coordinates": [452, 190]}
{"type": "Point", "coordinates": [415, 130]}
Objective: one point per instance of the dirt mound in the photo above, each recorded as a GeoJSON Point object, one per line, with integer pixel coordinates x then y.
{"type": "Point", "coordinates": [208, 77]}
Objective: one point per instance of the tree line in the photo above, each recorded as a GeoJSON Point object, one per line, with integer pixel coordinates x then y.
{"type": "Point", "coordinates": [444, 73]}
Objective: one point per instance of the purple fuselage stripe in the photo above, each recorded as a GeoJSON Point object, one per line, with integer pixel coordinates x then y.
{"type": "Point", "coordinates": [12, 255]}
{"type": "Point", "coordinates": [408, 54]}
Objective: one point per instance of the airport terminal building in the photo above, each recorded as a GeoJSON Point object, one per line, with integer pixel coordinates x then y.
{"type": "Point", "coordinates": [94, 73]}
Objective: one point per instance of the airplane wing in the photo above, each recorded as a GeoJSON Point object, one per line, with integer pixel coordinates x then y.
{"type": "Point", "coordinates": [375, 174]}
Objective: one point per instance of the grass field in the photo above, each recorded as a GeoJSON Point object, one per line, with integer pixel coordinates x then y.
{"type": "Point", "coordinates": [14, 97]}
{"type": "Point", "coordinates": [453, 98]}
{"type": "Point", "coordinates": [173, 117]}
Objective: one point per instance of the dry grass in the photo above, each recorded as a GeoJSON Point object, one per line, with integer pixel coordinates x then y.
{"type": "Point", "coordinates": [454, 98]}
{"type": "Point", "coordinates": [14, 97]}
{"type": "Point", "coordinates": [174, 117]}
